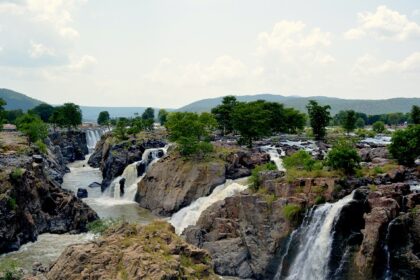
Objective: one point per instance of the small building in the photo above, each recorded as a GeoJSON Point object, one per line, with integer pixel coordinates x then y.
{"type": "Point", "coordinates": [9, 127]}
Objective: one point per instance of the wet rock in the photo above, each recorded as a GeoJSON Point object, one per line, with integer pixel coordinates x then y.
{"type": "Point", "coordinates": [72, 144]}
{"type": "Point", "coordinates": [141, 168]}
{"type": "Point", "coordinates": [37, 158]}
{"type": "Point", "coordinates": [94, 185]}
{"type": "Point", "coordinates": [82, 193]}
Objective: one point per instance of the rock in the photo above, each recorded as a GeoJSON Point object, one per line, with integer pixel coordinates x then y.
{"type": "Point", "coordinates": [141, 168]}
{"type": "Point", "coordinates": [134, 252]}
{"type": "Point", "coordinates": [72, 144]}
{"type": "Point", "coordinates": [368, 154]}
{"type": "Point", "coordinates": [82, 193]}
{"type": "Point", "coordinates": [173, 183]}
{"type": "Point", "coordinates": [37, 158]}
{"type": "Point", "coordinates": [94, 185]}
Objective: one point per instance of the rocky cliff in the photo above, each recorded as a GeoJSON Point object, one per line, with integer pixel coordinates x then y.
{"type": "Point", "coordinates": [174, 182]}
{"type": "Point", "coordinates": [134, 252]}
{"type": "Point", "coordinates": [71, 145]}
{"type": "Point", "coordinates": [112, 157]}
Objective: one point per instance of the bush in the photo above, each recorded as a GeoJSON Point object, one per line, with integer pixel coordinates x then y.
{"type": "Point", "coordinates": [300, 160]}
{"type": "Point", "coordinates": [33, 127]}
{"type": "Point", "coordinates": [344, 157]}
{"type": "Point", "coordinates": [255, 179]}
{"type": "Point", "coordinates": [102, 225]}
{"type": "Point", "coordinates": [320, 199]}
{"type": "Point", "coordinates": [405, 145]}
{"type": "Point", "coordinates": [10, 270]}
{"type": "Point", "coordinates": [365, 133]}
{"type": "Point", "coordinates": [292, 211]}
{"type": "Point", "coordinates": [378, 127]}
{"type": "Point", "coordinates": [17, 173]}
{"type": "Point", "coordinates": [12, 203]}
{"type": "Point", "coordinates": [41, 146]}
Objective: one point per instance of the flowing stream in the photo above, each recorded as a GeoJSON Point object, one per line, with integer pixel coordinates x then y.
{"type": "Point", "coordinates": [49, 246]}
{"type": "Point", "coordinates": [313, 240]}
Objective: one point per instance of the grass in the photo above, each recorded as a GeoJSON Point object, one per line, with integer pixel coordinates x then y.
{"type": "Point", "coordinates": [41, 147]}
{"type": "Point", "coordinates": [292, 211]}
{"type": "Point", "coordinates": [17, 173]}
{"type": "Point", "coordinates": [376, 170]}
{"type": "Point", "coordinates": [293, 174]}
{"type": "Point", "coordinates": [255, 179]}
{"type": "Point", "coordinates": [102, 225]}
{"type": "Point", "coordinates": [10, 270]}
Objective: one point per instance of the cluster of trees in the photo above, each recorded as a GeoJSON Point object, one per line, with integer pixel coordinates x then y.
{"type": "Point", "coordinates": [253, 120]}
{"type": "Point", "coordinates": [129, 126]}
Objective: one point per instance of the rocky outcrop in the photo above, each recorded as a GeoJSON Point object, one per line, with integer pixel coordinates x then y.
{"type": "Point", "coordinates": [31, 203]}
{"type": "Point", "coordinates": [242, 234]}
{"type": "Point", "coordinates": [113, 158]}
{"type": "Point", "coordinates": [72, 145]}
{"type": "Point", "coordinates": [369, 154]}
{"type": "Point", "coordinates": [174, 182]}
{"type": "Point", "coordinates": [134, 252]}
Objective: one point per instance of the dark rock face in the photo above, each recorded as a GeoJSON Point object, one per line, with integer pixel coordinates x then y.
{"type": "Point", "coordinates": [82, 193]}
{"type": "Point", "coordinates": [31, 204]}
{"type": "Point", "coordinates": [173, 183]}
{"type": "Point", "coordinates": [94, 185]}
{"type": "Point", "coordinates": [112, 159]}
{"type": "Point", "coordinates": [72, 144]}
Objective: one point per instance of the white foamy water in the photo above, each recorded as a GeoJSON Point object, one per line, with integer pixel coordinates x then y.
{"type": "Point", "coordinates": [189, 215]}
{"type": "Point", "coordinates": [315, 240]}
{"type": "Point", "coordinates": [274, 156]}
{"type": "Point", "coordinates": [92, 137]}
{"type": "Point", "coordinates": [415, 188]}
{"type": "Point", "coordinates": [378, 140]}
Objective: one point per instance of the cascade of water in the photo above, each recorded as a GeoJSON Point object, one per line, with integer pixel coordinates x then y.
{"type": "Point", "coordinates": [274, 156]}
{"type": "Point", "coordinates": [130, 175]}
{"type": "Point", "coordinates": [189, 215]}
{"type": "Point", "coordinates": [92, 137]}
{"type": "Point", "coordinates": [315, 239]}
{"type": "Point", "coordinates": [388, 272]}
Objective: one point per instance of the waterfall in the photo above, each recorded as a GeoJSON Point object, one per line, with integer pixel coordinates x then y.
{"type": "Point", "coordinates": [189, 215]}
{"type": "Point", "coordinates": [314, 238]}
{"type": "Point", "coordinates": [274, 156]}
{"type": "Point", "coordinates": [92, 137]}
{"type": "Point", "coordinates": [131, 174]}
{"type": "Point", "coordinates": [388, 271]}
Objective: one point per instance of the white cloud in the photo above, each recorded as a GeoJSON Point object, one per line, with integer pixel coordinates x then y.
{"type": "Point", "coordinates": [369, 65]}
{"type": "Point", "coordinates": [38, 50]}
{"type": "Point", "coordinates": [84, 63]}
{"type": "Point", "coordinates": [384, 24]}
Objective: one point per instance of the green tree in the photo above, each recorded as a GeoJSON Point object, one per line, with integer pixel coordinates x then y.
{"type": "Point", "coordinates": [44, 111]}
{"type": "Point", "coordinates": [148, 114]}
{"type": "Point", "coordinates": [360, 123]}
{"type": "Point", "coordinates": [33, 127]}
{"type": "Point", "coordinates": [103, 118]}
{"type": "Point", "coordinates": [349, 121]}
{"type": "Point", "coordinates": [252, 120]}
{"type": "Point", "coordinates": [69, 115]}
{"type": "Point", "coordinates": [294, 120]}
{"type": "Point", "coordinates": [223, 114]}
{"type": "Point", "coordinates": [343, 156]}
{"type": "Point", "coordinates": [2, 112]}
{"type": "Point", "coordinates": [162, 116]}
{"type": "Point", "coordinates": [191, 132]}
{"type": "Point", "coordinates": [405, 145]}
{"type": "Point", "coordinates": [415, 114]}
{"type": "Point", "coordinates": [319, 117]}
{"type": "Point", "coordinates": [120, 130]}
{"type": "Point", "coordinates": [378, 127]}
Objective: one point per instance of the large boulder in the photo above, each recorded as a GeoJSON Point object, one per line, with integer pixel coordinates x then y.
{"type": "Point", "coordinates": [72, 144]}
{"type": "Point", "coordinates": [134, 252]}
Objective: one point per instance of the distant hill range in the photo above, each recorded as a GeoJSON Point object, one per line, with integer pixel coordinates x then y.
{"type": "Point", "coordinates": [370, 107]}
{"type": "Point", "coordinates": [16, 100]}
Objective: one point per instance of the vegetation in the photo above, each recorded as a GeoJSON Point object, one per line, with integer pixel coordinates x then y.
{"type": "Point", "coordinates": [378, 127]}
{"type": "Point", "coordinates": [292, 211]}
{"type": "Point", "coordinates": [102, 225]}
{"type": "Point", "coordinates": [17, 173]}
{"type": "Point", "coordinates": [10, 270]}
{"type": "Point", "coordinates": [162, 116]}
{"type": "Point", "coordinates": [223, 114]}
{"type": "Point", "coordinates": [344, 157]}
{"type": "Point", "coordinates": [360, 123]}
{"type": "Point", "coordinates": [349, 121]}
{"type": "Point", "coordinates": [12, 115]}
{"type": "Point", "coordinates": [44, 111]}
{"type": "Point", "coordinates": [120, 130]}
{"type": "Point", "coordinates": [415, 114]}
{"type": "Point", "coordinates": [319, 117]}
{"type": "Point", "coordinates": [148, 114]}
{"type": "Point", "coordinates": [33, 127]}
{"type": "Point", "coordinates": [191, 132]}
{"type": "Point", "coordinates": [301, 160]}
{"type": "Point", "coordinates": [255, 178]}
{"type": "Point", "coordinates": [405, 145]}
{"type": "Point", "coordinates": [2, 112]}
{"type": "Point", "coordinates": [69, 115]}
{"type": "Point", "coordinates": [103, 118]}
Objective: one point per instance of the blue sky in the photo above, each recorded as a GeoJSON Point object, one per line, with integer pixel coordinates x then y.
{"type": "Point", "coordinates": [167, 53]}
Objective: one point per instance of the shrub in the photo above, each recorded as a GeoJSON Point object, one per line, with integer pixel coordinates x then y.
{"type": "Point", "coordinates": [12, 203]}
{"type": "Point", "coordinates": [17, 173]}
{"type": "Point", "coordinates": [378, 127]}
{"type": "Point", "coordinates": [344, 157]}
{"type": "Point", "coordinates": [365, 133]}
{"type": "Point", "coordinates": [300, 160]}
{"type": "Point", "coordinates": [41, 146]}
{"type": "Point", "coordinates": [405, 145]}
{"type": "Point", "coordinates": [255, 178]}
{"type": "Point", "coordinates": [10, 270]}
{"type": "Point", "coordinates": [102, 225]}
{"type": "Point", "coordinates": [292, 211]}
{"type": "Point", "coordinates": [319, 199]}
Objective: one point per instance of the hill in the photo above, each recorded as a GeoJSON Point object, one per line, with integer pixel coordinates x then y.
{"type": "Point", "coordinates": [16, 100]}
{"type": "Point", "coordinates": [370, 107]}
{"type": "Point", "coordinates": [91, 113]}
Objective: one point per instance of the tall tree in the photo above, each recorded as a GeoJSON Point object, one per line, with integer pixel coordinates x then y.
{"type": "Point", "coordinates": [319, 117]}
{"type": "Point", "coordinates": [415, 114]}
{"type": "Point", "coordinates": [44, 111]}
{"type": "Point", "coordinates": [223, 113]}
{"type": "Point", "coordinates": [2, 112]}
{"type": "Point", "coordinates": [69, 115]}
{"type": "Point", "coordinates": [32, 126]}
{"type": "Point", "coordinates": [148, 114]}
{"type": "Point", "coordinates": [103, 118]}
{"type": "Point", "coordinates": [349, 121]}
{"type": "Point", "coordinates": [162, 116]}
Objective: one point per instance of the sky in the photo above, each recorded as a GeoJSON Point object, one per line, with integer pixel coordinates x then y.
{"type": "Point", "coordinates": [168, 53]}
